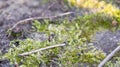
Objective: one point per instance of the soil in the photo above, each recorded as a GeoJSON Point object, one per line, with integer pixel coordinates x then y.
{"type": "Point", "coordinates": [12, 11]}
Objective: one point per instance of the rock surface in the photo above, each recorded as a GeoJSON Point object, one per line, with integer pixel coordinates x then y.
{"type": "Point", "coordinates": [107, 40]}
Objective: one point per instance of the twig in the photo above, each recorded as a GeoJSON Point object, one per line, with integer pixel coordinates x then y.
{"type": "Point", "coordinates": [35, 51]}
{"type": "Point", "coordinates": [39, 18]}
{"type": "Point", "coordinates": [109, 56]}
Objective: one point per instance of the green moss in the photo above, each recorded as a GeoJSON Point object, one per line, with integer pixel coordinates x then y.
{"type": "Point", "coordinates": [115, 62]}
{"type": "Point", "coordinates": [75, 33]}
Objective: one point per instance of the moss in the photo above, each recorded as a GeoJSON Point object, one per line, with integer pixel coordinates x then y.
{"type": "Point", "coordinates": [115, 62]}
{"type": "Point", "coordinates": [75, 34]}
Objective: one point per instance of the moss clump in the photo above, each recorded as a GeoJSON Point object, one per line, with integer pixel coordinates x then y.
{"type": "Point", "coordinates": [115, 62]}
{"type": "Point", "coordinates": [76, 34]}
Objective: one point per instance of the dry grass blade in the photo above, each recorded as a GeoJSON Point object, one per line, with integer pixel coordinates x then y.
{"type": "Point", "coordinates": [35, 51]}
{"type": "Point", "coordinates": [109, 56]}
{"type": "Point", "coordinates": [39, 18]}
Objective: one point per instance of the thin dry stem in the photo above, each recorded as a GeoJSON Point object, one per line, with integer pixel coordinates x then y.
{"type": "Point", "coordinates": [39, 18]}
{"type": "Point", "coordinates": [35, 51]}
{"type": "Point", "coordinates": [109, 56]}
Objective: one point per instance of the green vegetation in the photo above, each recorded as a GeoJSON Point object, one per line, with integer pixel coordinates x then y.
{"type": "Point", "coordinates": [115, 62]}
{"type": "Point", "coordinates": [76, 34]}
